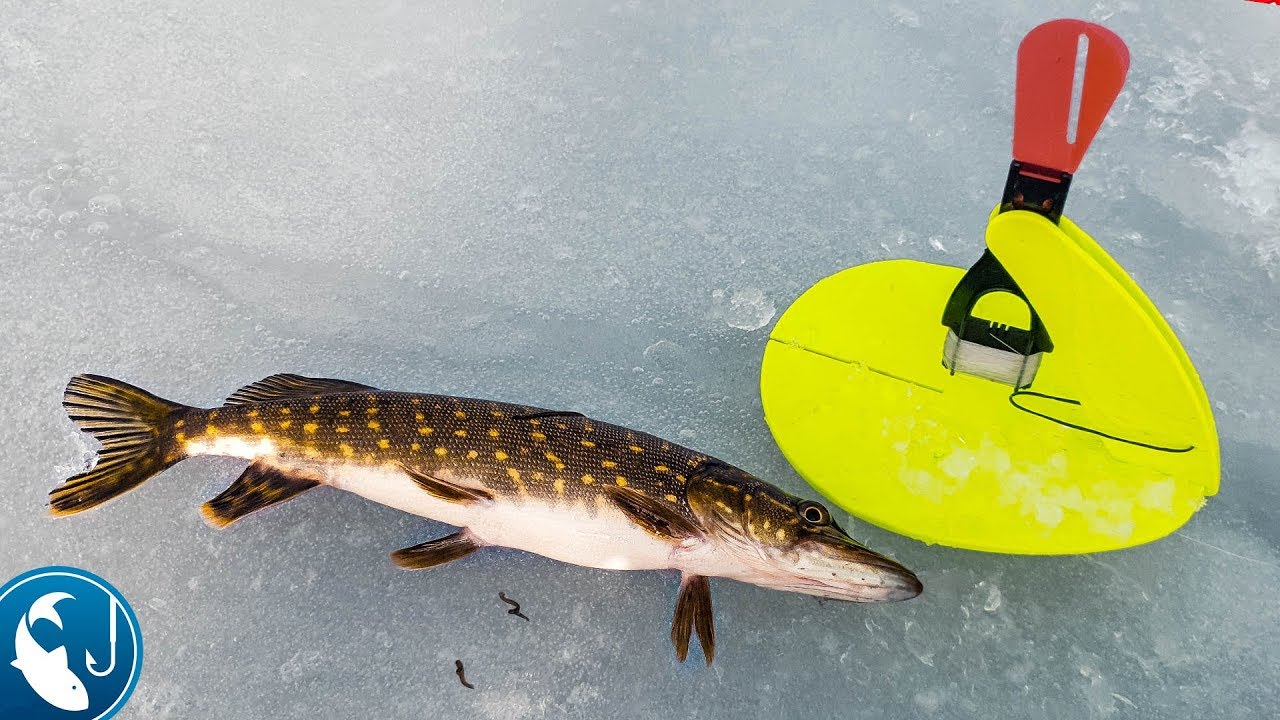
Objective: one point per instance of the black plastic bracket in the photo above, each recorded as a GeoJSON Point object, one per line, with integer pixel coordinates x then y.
{"type": "Point", "coordinates": [1038, 189]}
{"type": "Point", "coordinates": [1029, 187]}
{"type": "Point", "coordinates": [987, 276]}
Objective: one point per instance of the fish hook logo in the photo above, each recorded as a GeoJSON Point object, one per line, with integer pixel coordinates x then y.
{"type": "Point", "coordinates": [59, 616]}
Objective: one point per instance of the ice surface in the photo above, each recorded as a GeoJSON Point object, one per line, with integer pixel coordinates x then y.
{"type": "Point", "coordinates": [603, 207]}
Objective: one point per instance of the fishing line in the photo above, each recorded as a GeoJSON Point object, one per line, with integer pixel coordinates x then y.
{"type": "Point", "coordinates": [1013, 401]}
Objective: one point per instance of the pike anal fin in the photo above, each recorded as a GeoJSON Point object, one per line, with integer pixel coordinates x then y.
{"type": "Point", "coordinates": [260, 486]}
{"type": "Point", "coordinates": [693, 612]}
{"type": "Point", "coordinates": [436, 552]}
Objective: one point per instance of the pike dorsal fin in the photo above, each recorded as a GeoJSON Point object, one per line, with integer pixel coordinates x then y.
{"type": "Point", "coordinates": [286, 385]}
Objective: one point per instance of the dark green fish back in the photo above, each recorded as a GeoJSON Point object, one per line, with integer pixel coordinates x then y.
{"type": "Point", "coordinates": [515, 450]}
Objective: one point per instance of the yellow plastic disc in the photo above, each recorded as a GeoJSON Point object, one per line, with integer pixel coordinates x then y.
{"type": "Point", "coordinates": [857, 397]}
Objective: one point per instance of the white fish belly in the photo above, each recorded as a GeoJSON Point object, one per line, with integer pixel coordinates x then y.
{"type": "Point", "coordinates": [573, 534]}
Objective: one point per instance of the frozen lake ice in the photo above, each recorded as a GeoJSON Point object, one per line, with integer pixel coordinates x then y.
{"type": "Point", "coordinates": [603, 207]}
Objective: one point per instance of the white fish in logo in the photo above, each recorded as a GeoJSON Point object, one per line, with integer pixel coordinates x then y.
{"type": "Point", "coordinates": [46, 671]}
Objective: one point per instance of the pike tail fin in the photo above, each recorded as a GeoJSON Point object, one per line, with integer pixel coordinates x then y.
{"type": "Point", "coordinates": [136, 432]}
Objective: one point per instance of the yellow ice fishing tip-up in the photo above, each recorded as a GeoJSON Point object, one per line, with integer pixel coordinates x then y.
{"type": "Point", "coordinates": [1037, 403]}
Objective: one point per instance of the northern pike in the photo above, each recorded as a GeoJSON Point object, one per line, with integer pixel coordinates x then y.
{"type": "Point", "coordinates": [557, 484]}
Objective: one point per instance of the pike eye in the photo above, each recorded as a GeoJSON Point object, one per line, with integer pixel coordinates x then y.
{"type": "Point", "coordinates": [814, 513]}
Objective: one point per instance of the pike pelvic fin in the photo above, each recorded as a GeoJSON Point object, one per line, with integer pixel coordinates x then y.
{"type": "Point", "coordinates": [134, 428]}
{"type": "Point", "coordinates": [287, 385]}
{"type": "Point", "coordinates": [445, 490]}
{"type": "Point", "coordinates": [436, 552]}
{"type": "Point", "coordinates": [693, 612]}
{"type": "Point", "coordinates": [258, 487]}
{"type": "Point", "coordinates": [662, 521]}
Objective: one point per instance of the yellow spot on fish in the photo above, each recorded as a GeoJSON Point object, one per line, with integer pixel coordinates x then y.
{"type": "Point", "coordinates": [587, 479]}
{"type": "Point", "coordinates": [493, 432]}
{"type": "Point", "coordinates": [538, 436]}
{"type": "Point", "coordinates": [368, 457]}
{"type": "Point", "coordinates": [285, 411]}
{"type": "Point", "coordinates": [180, 423]}
{"type": "Point", "coordinates": [496, 413]}
{"type": "Point", "coordinates": [310, 428]}
{"type": "Point", "coordinates": [419, 417]}
{"type": "Point", "coordinates": [500, 455]}
{"type": "Point", "coordinates": [662, 468]}
{"type": "Point", "coordinates": [666, 446]}
{"type": "Point", "coordinates": [637, 449]}
{"type": "Point", "coordinates": [609, 464]}
{"type": "Point", "coordinates": [780, 534]}
{"type": "Point", "coordinates": [342, 429]}
{"type": "Point", "coordinates": [459, 414]}
{"type": "Point", "coordinates": [559, 485]}
{"type": "Point", "coordinates": [253, 413]}
{"type": "Point", "coordinates": [539, 476]}
{"type": "Point", "coordinates": [210, 429]}
{"type": "Point", "coordinates": [181, 437]}
{"type": "Point", "coordinates": [587, 427]}
{"type": "Point", "coordinates": [460, 433]}
{"type": "Point", "coordinates": [257, 427]}
{"type": "Point", "coordinates": [681, 479]}
{"type": "Point", "coordinates": [562, 426]}
{"type": "Point", "coordinates": [384, 443]}
{"type": "Point", "coordinates": [311, 452]}
{"type": "Point", "coordinates": [514, 474]}
{"type": "Point", "coordinates": [416, 401]}
{"type": "Point", "coordinates": [587, 443]}
{"type": "Point", "coordinates": [415, 447]}
{"type": "Point", "coordinates": [371, 411]}
{"type": "Point", "coordinates": [344, 413]}
{"type": "Point", "coordinates": [767, 523]}
{"type": "Point", "coordinates": [552, 457]}
{"type": "Point", "coordinates": [425, 430]}
{"type": "Point", "coordinates": [622, 482]}
{"type": "Point", "coordinates": [442, 451]}
{"type": "Point", "coordinates": [284, 424]}
{"type": "Point", "coordinates": [346, 449]}
{"type": "Point", "coordinates": [213, 414]}
{"type": "Point", "coordinates": [314, 409]}
{"type": "Point", "coordinates": [472, 454]}
{"type": "Point", "coordinates": [535, 423]}
{"type": "Point", "coordinates": [745, 498]}
{"type": "Point", "coordinates": [672, 498]}
{"type": "Point", "coordinates": [375, 425]}
{"type": "Point", "coordinates": [372, 398]}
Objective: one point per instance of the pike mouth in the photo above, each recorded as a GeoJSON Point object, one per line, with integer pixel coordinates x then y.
{"type": "Point", "coordinates": [889, 588]}
{"type": "Point", "coordinates": [861, 576]}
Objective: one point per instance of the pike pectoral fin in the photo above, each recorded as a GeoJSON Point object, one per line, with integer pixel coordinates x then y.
{"type": "Point", "coordinates": [663, 521]}
{"type": "Point", "coordinates": [446, 490]}
{"type": "Point", "coordinates": [436, 552]}
{"type": "Point", "coordinates": [260, 486]}
{"type": "Point", "coordinates": [693, 612]}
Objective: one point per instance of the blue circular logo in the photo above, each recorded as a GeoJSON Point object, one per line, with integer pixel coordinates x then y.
{"type": "Point", "coordinates": [70, 646]}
